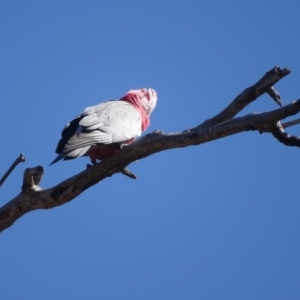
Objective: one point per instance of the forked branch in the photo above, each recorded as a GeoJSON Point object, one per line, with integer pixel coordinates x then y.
{"type": "Point", "coordinates": [250, 94]}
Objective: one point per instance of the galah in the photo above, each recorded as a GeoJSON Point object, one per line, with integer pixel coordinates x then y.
{"type": "Point", "coordinates": [101, 130]}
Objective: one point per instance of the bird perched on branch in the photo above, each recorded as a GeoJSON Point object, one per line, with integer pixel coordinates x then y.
{"type": "Point", "coordinates": [101, 130]}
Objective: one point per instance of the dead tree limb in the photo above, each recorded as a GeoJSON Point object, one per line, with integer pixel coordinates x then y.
{"type": "Point", "coordinates": [283, 137]}
{"type": "Point", "coordinates": [18, 160]}
{"type": "Point", "coordinates": [222, 125]}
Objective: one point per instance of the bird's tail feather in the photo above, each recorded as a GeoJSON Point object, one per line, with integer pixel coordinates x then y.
{"type": "Point", "coordinates": [58, 157]}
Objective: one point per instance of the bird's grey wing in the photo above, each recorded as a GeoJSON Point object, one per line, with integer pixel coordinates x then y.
{"type": "Point", "coordinates": [106, 123]}
{"type": "Point", "coordinates": [68, 131]}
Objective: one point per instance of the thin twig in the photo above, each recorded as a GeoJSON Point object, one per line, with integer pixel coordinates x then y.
{"type": "Point", "coordinates": [274, 95]}
{"type": "Point", "coordinates": [291, 123]}
{"type": "Point", "coordinates": [18, 160]}
{"type": "Point", "coordinates": [129, 174]}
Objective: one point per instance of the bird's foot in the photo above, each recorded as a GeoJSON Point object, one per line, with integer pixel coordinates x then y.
{"type": "Point", "coordinates": [122, 146]}
{"type": "Point", "coordinates": [93, 161]}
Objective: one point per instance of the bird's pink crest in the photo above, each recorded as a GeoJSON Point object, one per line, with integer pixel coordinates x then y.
{"type": "Point", "coordinates": [145, 98]}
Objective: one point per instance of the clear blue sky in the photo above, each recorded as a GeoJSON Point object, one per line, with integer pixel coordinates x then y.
{"type": "Point", "coordinates": [216, 221]}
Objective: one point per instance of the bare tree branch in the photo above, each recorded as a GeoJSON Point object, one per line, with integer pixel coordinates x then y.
{"type": "Point", "coordinates": [33, 197]}
{"type": "Point", "coordinates": [18, 160]}
{"type": "Point", "coordinates": [283, 137]}
{"type": "Point", "coordinates": [247, 96]}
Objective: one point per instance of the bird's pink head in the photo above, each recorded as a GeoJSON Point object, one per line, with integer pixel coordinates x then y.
{"type": "Point", "coordinates": [143, 97]}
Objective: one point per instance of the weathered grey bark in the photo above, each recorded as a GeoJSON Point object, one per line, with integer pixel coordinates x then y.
{"type": "Point", "coordinates": [222, 125]}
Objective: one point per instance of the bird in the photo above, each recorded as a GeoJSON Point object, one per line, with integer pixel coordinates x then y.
{"type": "Point", "coordinates": [104, 129]}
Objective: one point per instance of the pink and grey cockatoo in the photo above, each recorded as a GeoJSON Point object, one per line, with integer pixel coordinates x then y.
{"type": "Point", "coordinates": [101, 130]}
